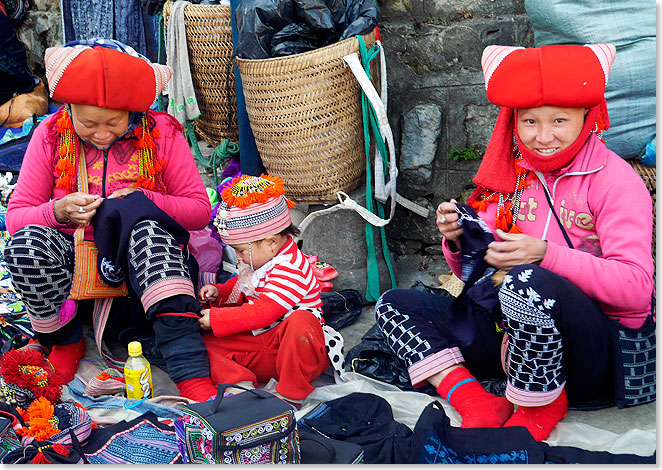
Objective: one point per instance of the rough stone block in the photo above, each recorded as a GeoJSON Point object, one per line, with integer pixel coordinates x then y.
{"type": "Point", "coordinates": [339, 238]}
{"type": "Point", "coordinates": [422, 126]}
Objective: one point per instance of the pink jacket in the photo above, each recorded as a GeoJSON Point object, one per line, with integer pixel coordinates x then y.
{"type": "Point", "coordinates": [185, 199]}
{"type": "Point", "coordinates": [606, 210]}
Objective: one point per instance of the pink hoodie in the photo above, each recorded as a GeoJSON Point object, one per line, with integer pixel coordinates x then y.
{"type": "Point", "coordinates": [606, 210]}
{"type": "Point", "coordinates": [185, 199]}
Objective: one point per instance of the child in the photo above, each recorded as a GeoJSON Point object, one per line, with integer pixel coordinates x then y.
{"type": "Point", "coordinates": [267, 321]}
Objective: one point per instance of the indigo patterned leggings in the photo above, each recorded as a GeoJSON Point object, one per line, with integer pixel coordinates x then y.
{"type": "Point", "coordinates": [557, 337]}
{"type": "Point", "coordinates": [40, 261]}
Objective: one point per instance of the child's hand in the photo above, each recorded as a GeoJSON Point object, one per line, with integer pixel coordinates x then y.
{"type": "Point", "coordinates": [204, 321]}
{"type": "Point", "coordinates": [208, 293]}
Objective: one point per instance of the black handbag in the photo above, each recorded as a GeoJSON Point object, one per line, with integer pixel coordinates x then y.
{"type": "Point", "coordinates": [317, 448]}
{"type": "Point", "coordinates": [634, 363]}
{"type": "Point", "coordinates": [254, 426]}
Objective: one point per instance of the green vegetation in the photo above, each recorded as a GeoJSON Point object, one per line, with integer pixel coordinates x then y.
{"type": "Point", "coordinates": [465, 154]}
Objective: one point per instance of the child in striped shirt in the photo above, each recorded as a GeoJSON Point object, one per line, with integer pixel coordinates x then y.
{"type": "Point", "coordinates": [266, 321]}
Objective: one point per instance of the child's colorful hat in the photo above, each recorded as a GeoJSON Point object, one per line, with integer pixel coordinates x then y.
{"type": "Point", "coordinates": [253, 208]}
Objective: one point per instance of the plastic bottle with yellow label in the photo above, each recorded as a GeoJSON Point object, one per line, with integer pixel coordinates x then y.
{"type": "Point", "coordinates": [137, 373]}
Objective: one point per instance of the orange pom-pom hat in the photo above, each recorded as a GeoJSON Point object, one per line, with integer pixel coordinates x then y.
{"type": "Point", "coordinates": [252, 208]}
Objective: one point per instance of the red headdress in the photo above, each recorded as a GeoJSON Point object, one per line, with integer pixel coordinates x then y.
{"type": "Point", "coordinates": [107, 78]}
{"type": "Point", "coordinates": [516, 78]}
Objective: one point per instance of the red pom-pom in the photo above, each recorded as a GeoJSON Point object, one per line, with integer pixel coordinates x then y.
{"type": "Point", "coordinates": [60, 449]}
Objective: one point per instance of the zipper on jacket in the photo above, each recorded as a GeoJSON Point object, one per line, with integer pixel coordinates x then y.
{"type": "Point", "coordinates": [103, 181]}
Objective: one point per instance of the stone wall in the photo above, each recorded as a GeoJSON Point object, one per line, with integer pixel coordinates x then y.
{"type": "Point", "coordinates": [40, 29]}
{"type": "Point", "coordinates": [436, 104]}
{"type": "Point", "coordinates": [437, 99]}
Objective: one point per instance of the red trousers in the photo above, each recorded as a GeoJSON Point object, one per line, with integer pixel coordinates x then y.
{"type": "Point", "coordinates": [294, 353]}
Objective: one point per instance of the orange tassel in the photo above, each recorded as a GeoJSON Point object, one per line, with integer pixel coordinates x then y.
{"type": "Point", "coordinates": [515, 229]}
{"type": "Point", "coordinates": [61, 165]}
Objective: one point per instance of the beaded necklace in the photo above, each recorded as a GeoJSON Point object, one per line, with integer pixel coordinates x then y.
{"type": "Point", "coordinates": [148, 166]}
{"type": "Point", "coordinates": [508, 205]}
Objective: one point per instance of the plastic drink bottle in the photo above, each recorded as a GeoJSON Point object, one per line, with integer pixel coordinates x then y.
{"type": "Point", "coordinates": [137, 373]}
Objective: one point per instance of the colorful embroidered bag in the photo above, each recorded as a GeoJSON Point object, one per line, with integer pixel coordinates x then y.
{"type": "Point", "coordinates": [250, 427]}
{"type": "Point", "coordinates": [87, 283]}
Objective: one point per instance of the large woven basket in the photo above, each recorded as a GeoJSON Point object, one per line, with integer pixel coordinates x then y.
{"type": "Point", "coordinates": [209, 38]}
{"type": "Point", "coordinates": [648, 174]}
{"type": "Point", "coordinates": [305, 113]}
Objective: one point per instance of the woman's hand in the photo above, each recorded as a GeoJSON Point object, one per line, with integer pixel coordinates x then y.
{"type": "Point", "coordinates": [447, 222]}
{"type": "Point", "coordinates": [122, 192]}
{"type": "Point", "coordinates": [78, 208]}
{"type": "Point", "coordinates": [515, 249]}
{"type": "Point", "coordinates": [208, 293]}
{"type": "Point", "coordinates": [205, 322]}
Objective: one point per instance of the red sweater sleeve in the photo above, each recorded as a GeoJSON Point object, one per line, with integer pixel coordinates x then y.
{"type": "Point", "coordinates": [224, 290]}
{"type": "Point", "coordinates": [261, 313]}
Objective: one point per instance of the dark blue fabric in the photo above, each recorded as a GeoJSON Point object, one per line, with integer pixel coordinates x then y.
{"type": "Point", "coordinates": [113, 223]}
{"type": "Point", "coordinates": [588, 349]}
{"type": "Point", "coordinates": [129, 27]}
{"type": "Point", "coordinates": [428, 316]}
{"type": "Point", "coordinates": [479, 295]}
{"type": "Point", "coordinates": [15, 76]}
{"type": "Point", "coordinates": [364, 419]}
{"type": "Point", "coordinates": [121, 20]}
{"type": "Point", "coordinates": [435, 442]}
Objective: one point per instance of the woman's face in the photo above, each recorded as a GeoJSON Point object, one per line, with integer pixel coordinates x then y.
{"type": "Point", "coordinates": [99, 126]}
{"type": "Point", "coordinates": [546, 130]}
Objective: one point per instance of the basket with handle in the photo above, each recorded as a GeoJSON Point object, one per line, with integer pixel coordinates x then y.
{"type": "Point", "coordinates": [305, 113]}
{"type": "Point", "coordinates": [209, 41]}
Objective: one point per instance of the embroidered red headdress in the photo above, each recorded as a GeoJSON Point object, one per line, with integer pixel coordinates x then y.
{"type": "Point", "coordinates": [516, 78]}
{"type": "Point", "coordinates": [103, 77]}
{"type": "Point", "coordinates": [106, 74]}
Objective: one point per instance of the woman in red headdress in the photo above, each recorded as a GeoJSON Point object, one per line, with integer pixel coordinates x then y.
{"type": "Point", "coordinates": [107, 124]}
{"type": "Point", "coordinates": [570, 225]}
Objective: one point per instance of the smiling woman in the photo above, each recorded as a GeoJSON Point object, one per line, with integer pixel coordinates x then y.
{"type": "Point", "coordinates": [549, 130]}
{"type": "Point", "coordinates": [567, 286]}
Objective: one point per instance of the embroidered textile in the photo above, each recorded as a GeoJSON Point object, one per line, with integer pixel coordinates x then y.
{"type": "Point", "coordinates": [142, 443]}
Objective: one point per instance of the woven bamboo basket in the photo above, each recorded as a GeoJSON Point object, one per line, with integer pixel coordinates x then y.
{"type": "Point", "coordinates": [648, 174]}
{"type": "Point", "coordinates": [305, 113]}
{"type": "Point", "coordinates": [209, 38]}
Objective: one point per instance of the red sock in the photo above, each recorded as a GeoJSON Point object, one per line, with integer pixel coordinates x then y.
{"type": "Point", "coordinates": [197, 389]}
{"type": "Point", "coordinates": [478, 408]}
{"type": "Point", "coordinates": [540, 420]}
{"type": "Point", "coordinates": [65, 359]}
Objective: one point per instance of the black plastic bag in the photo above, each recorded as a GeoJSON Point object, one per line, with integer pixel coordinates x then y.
{"type": "Point", "coordinates": [341, 308]}
{"type": "Point", "coordinates": [274, 28]}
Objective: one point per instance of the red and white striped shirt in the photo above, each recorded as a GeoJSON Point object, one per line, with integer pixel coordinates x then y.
{"type": "Point", "coordinates": [286, 286]}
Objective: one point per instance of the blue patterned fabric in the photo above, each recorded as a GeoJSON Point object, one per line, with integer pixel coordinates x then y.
{"type": "Point", "coordinates": [143, 443]}
{"type": "Point", "coordinates": [434, 451]}
{"type": "Point", "coordinates": [77, 391]}
{"type": "Point", "coordinates": [435, 441]}
{"type": "Point", "coordinates": [122, 20]}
